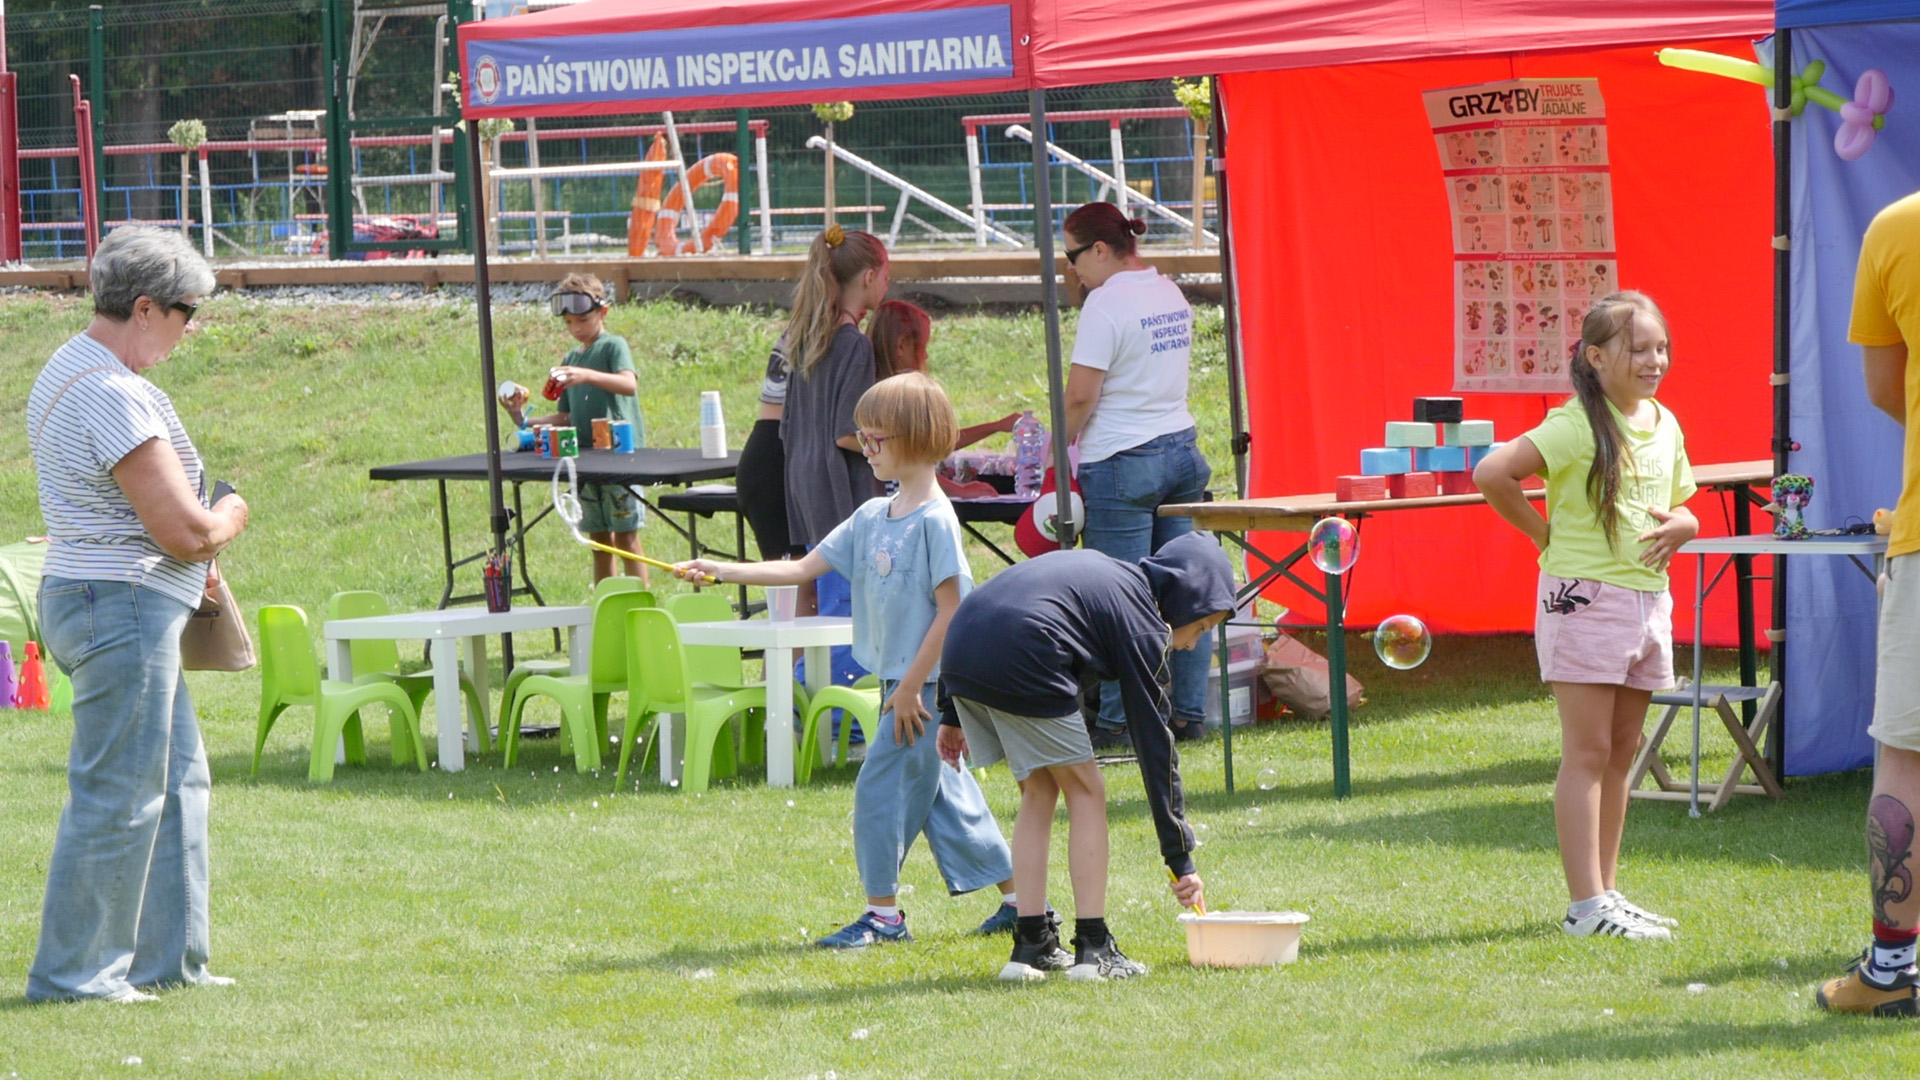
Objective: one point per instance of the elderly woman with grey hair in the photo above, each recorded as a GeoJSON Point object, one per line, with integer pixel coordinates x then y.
{"type": "Point", "coordinates": [132, 543]}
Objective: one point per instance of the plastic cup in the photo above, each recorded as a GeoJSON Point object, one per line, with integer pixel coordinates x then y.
{"type": "Point", "coordinates": [783, 602]}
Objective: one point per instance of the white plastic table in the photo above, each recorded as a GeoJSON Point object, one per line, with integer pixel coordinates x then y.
{"type": "Point", "coordinates": [1853, 547]}
{"type": "Point", "coordinates": [469, 627]}
{"type": "Point", "coordinates": [814, 633]}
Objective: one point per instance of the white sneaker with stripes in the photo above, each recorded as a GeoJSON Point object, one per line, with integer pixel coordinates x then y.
{"type": "Point", "coordinates": [1639, 912]}
{"type": "Point", "coordinates": [1611, 919]}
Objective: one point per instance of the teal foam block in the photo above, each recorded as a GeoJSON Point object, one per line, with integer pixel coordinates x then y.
{"type": "Point", "coordinates": [1468, 433]}
{"type": "Point", "coordinates": [1386, 461]}
{"type": "Point", "coordinates": [1476, 453]}
{"type": "Point", "coordinates": [1411, 433]}
{"type": "Point", "coordinates": [1440, 459]}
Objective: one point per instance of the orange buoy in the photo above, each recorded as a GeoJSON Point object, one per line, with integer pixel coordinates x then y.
{"type": "Point", "coordinates": [646, 201]}
{"type": "Point", "coordinates": [666, 228]}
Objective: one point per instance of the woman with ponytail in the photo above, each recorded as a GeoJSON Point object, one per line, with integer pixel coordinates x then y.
{"type": "Point", "coordinates": [1127, 407]}
{"type": "Point", "coordinates": [1617, 475]}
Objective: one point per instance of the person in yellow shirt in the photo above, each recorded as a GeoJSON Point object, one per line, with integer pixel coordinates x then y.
{"type": "Point", "coordinates": [1886, 316]}
{"type": "Point", "coordinates": [1617, 478]}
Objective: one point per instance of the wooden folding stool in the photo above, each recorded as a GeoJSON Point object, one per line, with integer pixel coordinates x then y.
{"type": "Point", "coordinates": [1747, 741]}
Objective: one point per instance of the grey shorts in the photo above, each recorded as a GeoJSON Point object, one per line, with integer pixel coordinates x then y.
{"type": "Point", "coordinates": [609, 508]}
{"type": "Point", "coordinates": [1025, 743]}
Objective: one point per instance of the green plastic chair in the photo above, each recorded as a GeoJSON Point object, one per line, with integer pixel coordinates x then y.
{"type": "Point", "coordinates": [658, 671]}
{"type": "Point", "coordinates": [289, 675]}
{"type": "Point", "coordinates": [721, 666]}
{"type": "Point", "coordinates": [378, 660]}
{"type": "Point", "coordinates": [524, 668]}
{"type": "Point", "coordinates": [583, 698]}
{"type": "Point", "coordinates": [860, 702]}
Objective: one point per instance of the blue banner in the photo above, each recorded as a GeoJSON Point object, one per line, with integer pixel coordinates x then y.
{"type": "Point", "coordinates": [948, 45]}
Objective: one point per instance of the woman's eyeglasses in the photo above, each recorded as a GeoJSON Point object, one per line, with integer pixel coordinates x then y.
{"type": "Point", "coordinates": [869, 442]}
{"type": "Point", "coordinates": [572, 303]}
{"type": "Point", "coordinates": [185, 309]}
{"type": "Point", "coordinates": [1073, 254]}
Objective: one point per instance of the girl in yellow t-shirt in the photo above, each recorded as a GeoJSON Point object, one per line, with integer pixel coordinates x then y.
{"type": "Point", "coordinates": [1617, 475]}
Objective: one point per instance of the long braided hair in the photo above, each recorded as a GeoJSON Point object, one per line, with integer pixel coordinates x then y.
{"type": "Point", "coordinates": [1606, 326]}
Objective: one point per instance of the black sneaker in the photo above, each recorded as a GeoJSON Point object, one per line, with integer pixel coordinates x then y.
{"type": "Point", "coordinates": [1032, 960]}
{"type": "Point", "coordinates": [1110, 740]}
{"type": "Point", "coordinates": [1189, 730]}
{"type": "Point", "coordinates": [1098, 963]}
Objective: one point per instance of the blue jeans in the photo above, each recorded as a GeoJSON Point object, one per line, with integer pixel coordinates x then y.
{"type": "Point", "coordinates": [904, 791]}
{"type": "Point", "coordinates": [127, 886]}
{"type": "Point", "coordinates": [1122, 492]}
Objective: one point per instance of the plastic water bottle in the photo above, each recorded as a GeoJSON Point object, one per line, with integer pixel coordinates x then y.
{"type": "Point", "coordinates": [8, 683]}
{"type": "Point", "coordinates": [32, 693]}
{"type": "Point", "coordinates": [713, 426]}
{"type": "Point", "coordinates": [1029, 456]}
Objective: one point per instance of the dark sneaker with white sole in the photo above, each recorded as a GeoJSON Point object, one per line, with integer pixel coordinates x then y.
{"type": "Point", "coordinates": [1098, 963]}
{"type": "Point", "coordinates": [1032, 960]}
{"type": "Point", "coordinates": [868, 929]}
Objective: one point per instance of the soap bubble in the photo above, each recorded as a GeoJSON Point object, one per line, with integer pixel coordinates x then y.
{"type": "Point", "coordinates": [1333, 544]}
{"type": "Point", "coordinates": [1269, 779]}
{"type": "Point", "coordinates": [1402, 642]}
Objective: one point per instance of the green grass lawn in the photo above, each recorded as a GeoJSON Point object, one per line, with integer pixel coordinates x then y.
{"type": "Point", "coordinates": [537, 923]}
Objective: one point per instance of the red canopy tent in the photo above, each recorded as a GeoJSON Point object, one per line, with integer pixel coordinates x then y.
{"type": "Point", "coordinates": [1338, 240]}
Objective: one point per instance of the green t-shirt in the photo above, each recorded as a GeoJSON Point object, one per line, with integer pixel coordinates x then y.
{"type": "Point", "coordinates": [583, 403]}
{"type": "Point", "coordinates": [1659, 478]}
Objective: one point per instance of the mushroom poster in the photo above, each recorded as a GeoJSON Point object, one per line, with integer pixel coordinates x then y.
{"type": "Point", "coordinates": [1525, 167]}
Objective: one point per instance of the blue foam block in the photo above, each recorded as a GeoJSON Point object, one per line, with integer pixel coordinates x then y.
{"type": "Point", "coordinates": [1476, 453]}
{"type": "Point", "coordinates": [1440, 459]}
{"type": "Point", "coordinates": [1386, 461]}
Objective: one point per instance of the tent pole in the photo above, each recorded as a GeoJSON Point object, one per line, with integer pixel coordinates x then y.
{"type": "Point", "coordinates": [1782, 351]}
{"type": "Point", "coordinates": [483, 307]}
{"type": "Point", "coordinates": [1229, 298]}
{"type": "Point", "coordinates": [1050, 303]}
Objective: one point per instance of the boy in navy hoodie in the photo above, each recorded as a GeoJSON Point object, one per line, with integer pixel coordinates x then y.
{"type": "Point", "coordinates": [1016, 654]}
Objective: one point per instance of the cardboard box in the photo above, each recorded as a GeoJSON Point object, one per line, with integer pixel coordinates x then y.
{"type": "Point", "coordinates": [1438, 410]}
{"type": "Point", "coordinates": [1440, 459]}
{"type": "Point", "coordinates": [1458, 483]}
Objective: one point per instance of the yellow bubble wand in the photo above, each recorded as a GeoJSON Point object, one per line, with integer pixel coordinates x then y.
{"type": "Point", "coordinates": [566, 503]}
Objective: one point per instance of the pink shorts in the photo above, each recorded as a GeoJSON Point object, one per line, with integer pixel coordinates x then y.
{"type": "Point", "coordinates": [1593, 632]}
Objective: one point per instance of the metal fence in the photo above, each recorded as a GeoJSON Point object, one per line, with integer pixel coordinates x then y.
{"type": "Point", "coordinates": [243, 67]}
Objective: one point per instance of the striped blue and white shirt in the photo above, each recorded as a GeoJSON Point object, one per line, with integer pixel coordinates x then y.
{"type": "Point", "coordinates": [102, 416]}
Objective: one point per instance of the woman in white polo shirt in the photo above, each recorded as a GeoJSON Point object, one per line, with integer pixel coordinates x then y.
{"type": "Point", "coordinates": [132, 540]}
{"type": "Point", "coordinates": [1127, 407]}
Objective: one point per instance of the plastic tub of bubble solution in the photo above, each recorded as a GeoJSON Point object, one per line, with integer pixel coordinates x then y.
{"type": "Point", "coordinates": [1243, 938]}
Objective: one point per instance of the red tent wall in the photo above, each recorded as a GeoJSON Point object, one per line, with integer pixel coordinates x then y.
{"type": "Point", "coordinates": [1342, 249]}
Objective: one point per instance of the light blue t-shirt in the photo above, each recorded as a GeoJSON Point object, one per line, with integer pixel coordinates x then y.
{"type": "Point", "coordinates": [894, 565]}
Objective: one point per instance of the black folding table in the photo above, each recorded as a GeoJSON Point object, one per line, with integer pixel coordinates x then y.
{"type": "Point", "coordinates": [635, 469]}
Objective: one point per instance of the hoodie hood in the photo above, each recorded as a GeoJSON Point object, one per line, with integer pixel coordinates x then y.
{"type": "Point", "coordinates": [1190, 578]}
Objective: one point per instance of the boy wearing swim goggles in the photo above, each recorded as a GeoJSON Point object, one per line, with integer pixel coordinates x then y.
{"type": "Point", "coordinates": [594, 381]}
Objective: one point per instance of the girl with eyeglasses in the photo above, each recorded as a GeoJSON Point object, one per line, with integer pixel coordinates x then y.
{"type": "Point", "coordinates": [595, 381]}
{"type": "Point", "coordinates": [905, 557]}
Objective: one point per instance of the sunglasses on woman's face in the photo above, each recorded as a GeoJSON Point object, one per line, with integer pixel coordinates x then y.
{"type": "Point", "coordinates": [572, 303]}
{"type": "Point", "coordinates": [1073, 254]}
{"type": "Point", "coordinates": [869, 442]}
{"type": "Point", "coordinates": [185, 308]}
